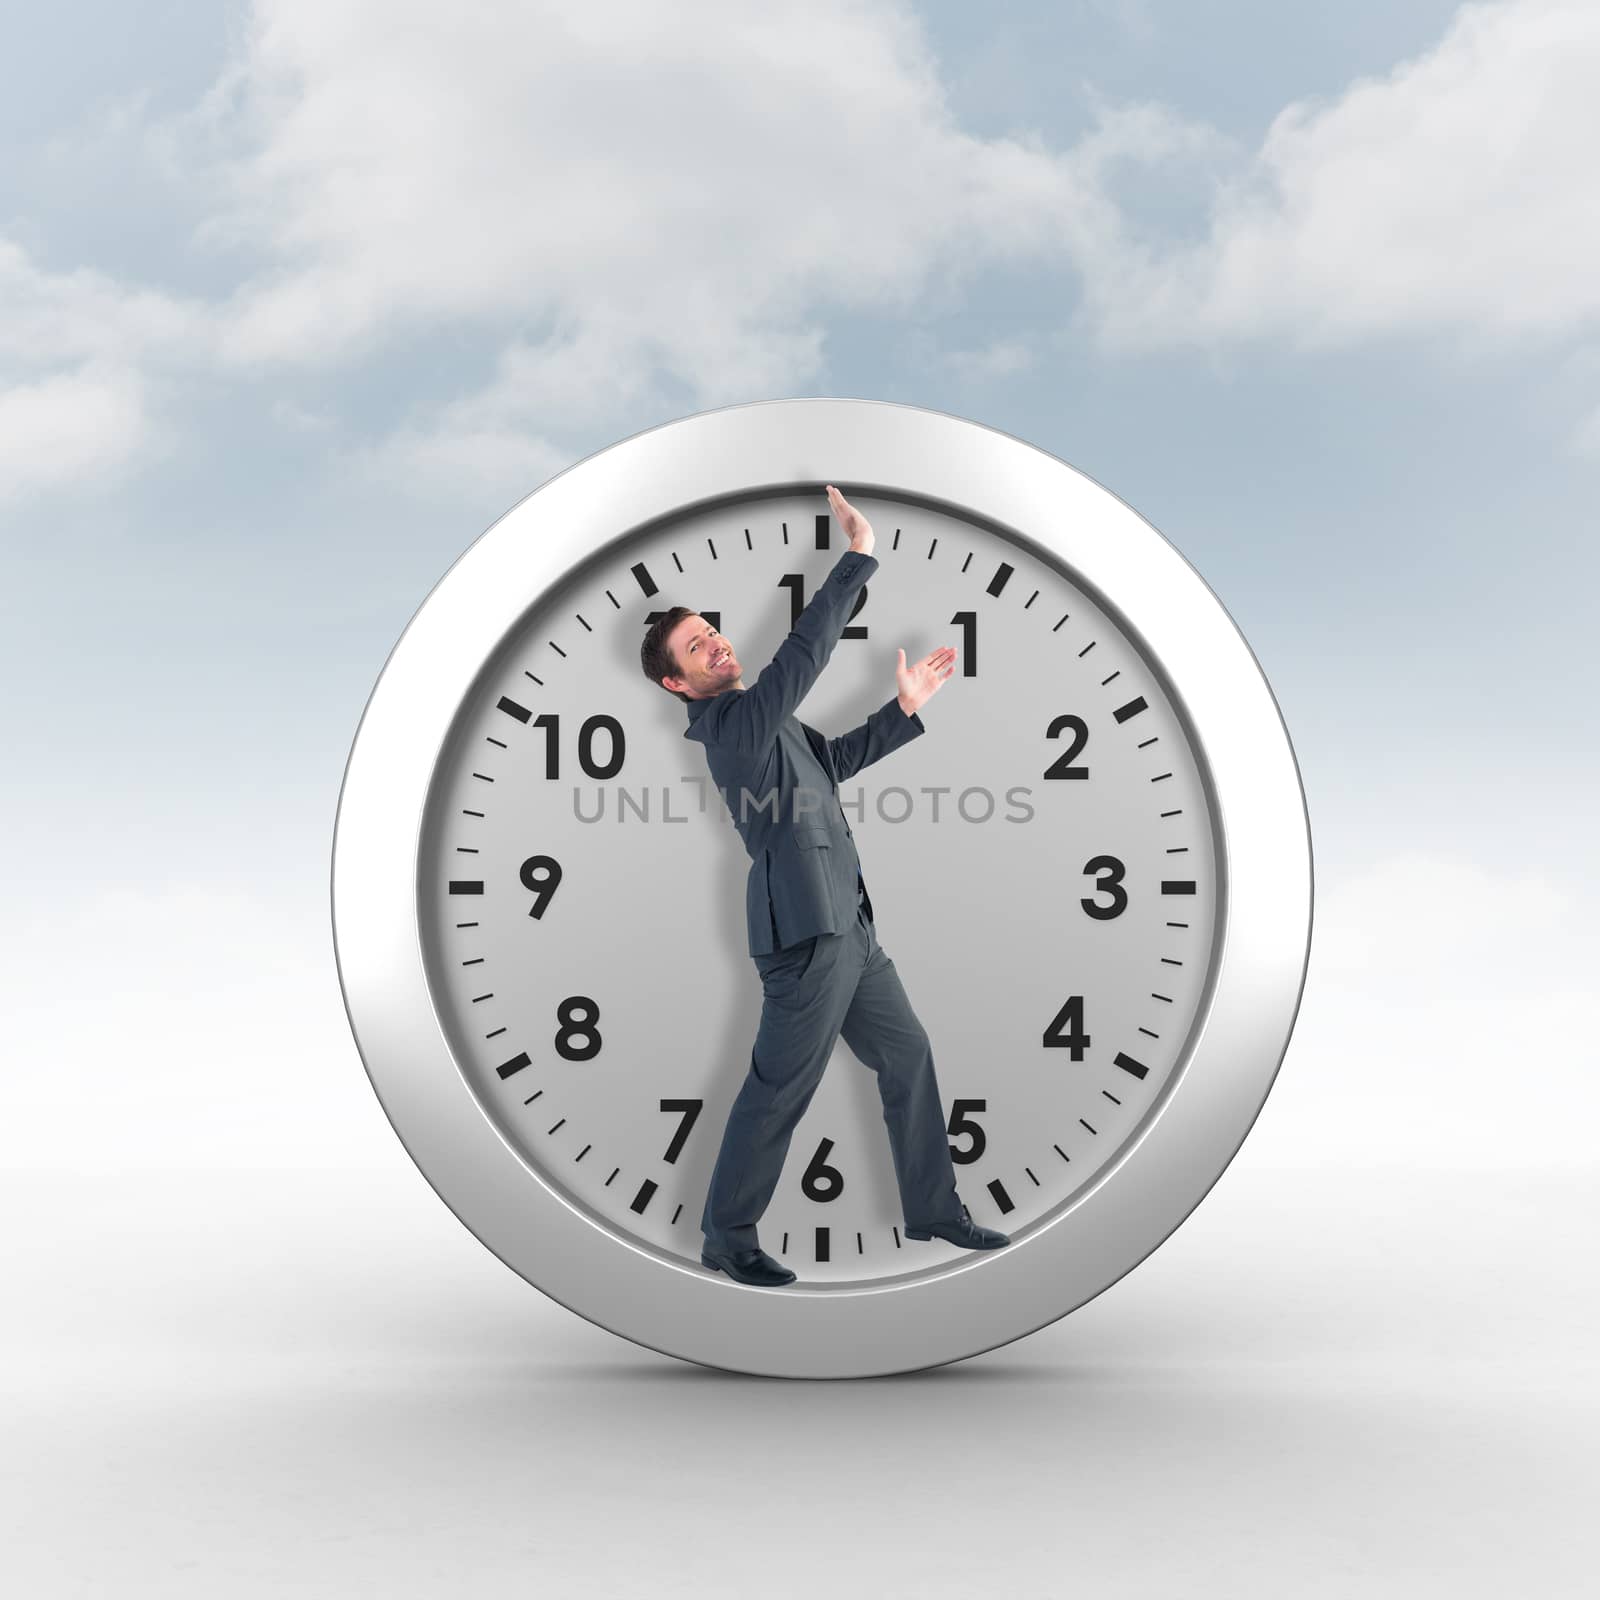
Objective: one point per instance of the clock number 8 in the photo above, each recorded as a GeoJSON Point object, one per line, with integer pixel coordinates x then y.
{"type": "Point", "coordinates": [574, 1026]}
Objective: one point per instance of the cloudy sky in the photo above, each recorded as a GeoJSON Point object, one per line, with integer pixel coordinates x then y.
{"type": "Point", "coordinates": [296, 298]}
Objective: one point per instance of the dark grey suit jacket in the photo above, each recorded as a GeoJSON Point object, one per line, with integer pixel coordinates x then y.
{"type": "Point", "coordinates": [780, 778]}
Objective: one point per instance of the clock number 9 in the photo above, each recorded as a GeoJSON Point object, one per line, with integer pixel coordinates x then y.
{"type": "Point", "coordinates": [574, 1026]}
{"type": "Point", "coordinates": [541, 874]}
{"type": "Point", "coordinates": [550, 721]}
{"type": "Point", "coordinates": [820, 1181]}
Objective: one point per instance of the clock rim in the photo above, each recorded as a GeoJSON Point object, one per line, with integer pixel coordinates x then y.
{"type": "Point", "coordinates": [1264, 898]}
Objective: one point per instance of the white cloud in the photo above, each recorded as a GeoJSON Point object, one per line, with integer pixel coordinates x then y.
{"type": "Point", "coordinates": [1455, 193]}
{"type": "Point", "coordinates": [633, 201]}
{"type": "Point", "coordinates": [67, 427]}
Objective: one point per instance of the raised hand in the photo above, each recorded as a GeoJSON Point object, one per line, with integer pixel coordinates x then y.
{"type": "Point", "coordinates": [917, 684]}
{"type": "Point", "coordinates": [856, 527]}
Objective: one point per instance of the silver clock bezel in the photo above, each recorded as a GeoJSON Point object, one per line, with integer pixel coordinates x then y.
{"type": "Point", "coordinates": [1263, 846]}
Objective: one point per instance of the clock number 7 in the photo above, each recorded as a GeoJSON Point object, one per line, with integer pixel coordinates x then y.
{"type": "Point", "coordinates": [688, 1110]}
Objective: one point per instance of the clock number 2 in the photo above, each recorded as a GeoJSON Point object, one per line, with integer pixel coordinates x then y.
{"type": "Point", "coordinates": [1061, 767]}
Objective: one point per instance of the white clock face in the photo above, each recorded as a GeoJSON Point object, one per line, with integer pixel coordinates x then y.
{"type": "Point", "coordinates": [1041, 863]}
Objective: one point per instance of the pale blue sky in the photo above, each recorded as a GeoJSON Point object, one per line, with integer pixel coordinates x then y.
{"type": "Point", "coordinates": [270, 358]}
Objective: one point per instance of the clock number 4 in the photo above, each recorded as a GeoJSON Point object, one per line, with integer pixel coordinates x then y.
{"type": "Point", "coordinates": [1070, 1016]}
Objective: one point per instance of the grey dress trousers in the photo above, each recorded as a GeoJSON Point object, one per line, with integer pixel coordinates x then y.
{"type": "Point", "coordinates": [830, 984]}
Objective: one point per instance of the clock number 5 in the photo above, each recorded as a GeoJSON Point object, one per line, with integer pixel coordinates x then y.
{"type": "Point", "coordinates": [961, 1123]}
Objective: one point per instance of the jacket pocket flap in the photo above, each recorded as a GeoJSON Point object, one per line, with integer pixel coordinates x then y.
{"type": "Point", "coordinates": [810, 838]}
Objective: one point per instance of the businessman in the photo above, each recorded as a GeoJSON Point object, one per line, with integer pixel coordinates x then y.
{"type": "Point", "coordinates": [808, 916]}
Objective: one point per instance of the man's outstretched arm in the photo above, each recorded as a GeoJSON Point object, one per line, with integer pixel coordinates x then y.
{"type": "Point", "coordinates": [752, 717]}
{"type": "Point", "coordinates": [895, 722]}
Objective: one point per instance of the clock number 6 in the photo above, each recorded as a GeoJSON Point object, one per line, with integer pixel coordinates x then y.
{"type": "Point", "coordinates": [820, 1181]}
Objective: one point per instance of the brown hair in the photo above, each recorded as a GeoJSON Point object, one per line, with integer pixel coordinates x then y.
{"type": "Point", "coordinates": [656, 658]}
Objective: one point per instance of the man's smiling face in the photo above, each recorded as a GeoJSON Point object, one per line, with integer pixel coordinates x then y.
{"type": "Point", "coordinates": [705, 659]}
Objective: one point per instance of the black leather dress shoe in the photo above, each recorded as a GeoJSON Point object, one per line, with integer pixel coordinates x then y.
{"type": "Point", "coordinates": [754, 1267]}
{"type": "Point", "coordinates": [964, 1232]}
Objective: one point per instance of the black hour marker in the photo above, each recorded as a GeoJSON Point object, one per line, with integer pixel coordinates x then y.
{"type": "Point", "coordinates": [1177, 886]}
{"type": "Point", "coordinates": [1128, 1064]}
{"type": "Point", "coordinates": [1132, 709]}
{"type": "Point", "coordinates": [998, 581]}
{"type": "Point", "coordinates": [822, 531]}
{"type": "Point", "coordinates": [642, 573]}
{"type": "Point", "coordinates": [512, 709]}
{"type": "Point", "coordinates": [515, 1064]}
{"type": "Point", "coordinates": [1001, 1198]}
{"type": "Point", "coordinates": [646, 1192]}
{"type": "Point", "coordinates": [465, 886]}
{"type": "Point", "coordinates": [822, 1244]}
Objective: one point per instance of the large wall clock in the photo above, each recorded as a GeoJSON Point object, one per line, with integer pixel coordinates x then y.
{"type": "Point", "coordinates": [1093, 873]}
